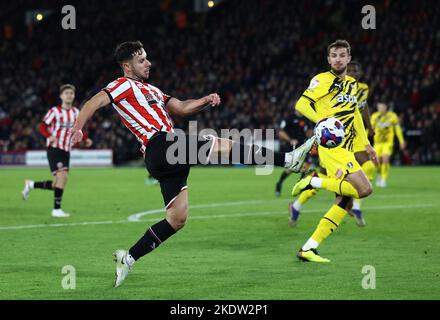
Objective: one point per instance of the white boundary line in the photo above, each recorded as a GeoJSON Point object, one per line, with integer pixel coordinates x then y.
{"type": "Point", "coordinates": [203, 217]}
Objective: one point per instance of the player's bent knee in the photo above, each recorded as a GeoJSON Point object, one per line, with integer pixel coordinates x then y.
{"type": "Point", "coordinates": [365, 190]}
{"type": "Point", "coordinates": [177, 216]}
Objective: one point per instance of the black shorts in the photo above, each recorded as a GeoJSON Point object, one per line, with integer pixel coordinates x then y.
{"type": "Point", "coordinates": [58, 160]}
{"type": "Point", "coordinates": [173, 172]}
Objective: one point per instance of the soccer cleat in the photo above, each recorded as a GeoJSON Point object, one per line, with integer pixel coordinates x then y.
{"type": "Point", "coordinates": [293, 219]}
{"type": "Point", "coordinates": [311, 256]}
{"type": "Point", "coordinates": [122, 267]}
{"type": "Point", "coordinates": [301, 185]}
{"type": "Point", "coordinates": [278, 189]}
{"type": "Point", "coordinates": [27, 189]}
{"type": "Point", "coordinates": [357, 214]}
{"type": "Point", "coordinates": [59, 213]}
{"type": "Point", "coordinates": [299, 155]}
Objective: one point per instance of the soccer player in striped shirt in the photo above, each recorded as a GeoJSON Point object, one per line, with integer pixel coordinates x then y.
{"type": "Point", "coordinates": [55, 128]}
{"type": "Point", "coordinates": [145, 110]}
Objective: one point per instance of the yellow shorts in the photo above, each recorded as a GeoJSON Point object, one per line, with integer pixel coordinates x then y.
{"type": "Point", "coordinates": [383, 149]}
{"type": "Point", "coordinates": [358, 146]}
{"type": "Point", "coordinates": [338, 158]}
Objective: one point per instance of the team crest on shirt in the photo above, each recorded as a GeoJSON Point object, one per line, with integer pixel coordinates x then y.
{"type": "Point", "coordinates": [313, 84]}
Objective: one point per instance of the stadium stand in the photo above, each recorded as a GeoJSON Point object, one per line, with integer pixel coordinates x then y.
{"type": "Point", "coordinates": [258, 55]}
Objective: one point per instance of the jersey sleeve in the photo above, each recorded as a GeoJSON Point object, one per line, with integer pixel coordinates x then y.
{"type": "Point", "coordinates": [49, 117]}
{"type": "Point", "coordinates": [398, 129]}
{"type": "Point", "coordinates": [319, 86]}
{"type": "Point", "coordinates": [118, 90]}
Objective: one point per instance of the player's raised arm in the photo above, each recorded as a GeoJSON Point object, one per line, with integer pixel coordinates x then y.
{"type": "Point", "coordinates": [99, 100]}
{"type": "Point", "coordinates": [304, 106]}
{"type": "Point", "coordinates": [191, 106]}
{"type": "Point", "coordinates": [399, 134]}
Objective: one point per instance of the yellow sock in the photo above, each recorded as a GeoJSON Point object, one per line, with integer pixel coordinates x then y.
{"type": "Point", "coordinates": [340, 187]}
{"type": "Point", "coordinates": [385, 171]}
{"type": "Point", "coordinates": [306, 195]}
{"type": "Point", "coordinates": [368, 168]}
{"type": "Point", "coordinates": [328, 223]}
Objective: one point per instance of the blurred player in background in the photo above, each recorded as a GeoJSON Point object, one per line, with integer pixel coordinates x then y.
{"type": "Point", "coordinates": [293, 131]}
{"type": "Point", "coordinates": [146, 111]}
{"type": "Point", "coordinates": [333, 94]}
{"type": "Point", "coordinates": [55, 128]}
{"type": "Point", "coordinates": [354, 70]}
{"type": "Point", "coordinates": [386, 126]}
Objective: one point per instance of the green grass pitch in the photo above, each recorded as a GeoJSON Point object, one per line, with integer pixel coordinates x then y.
{"type": "Point", "coordinates": [236, 245]}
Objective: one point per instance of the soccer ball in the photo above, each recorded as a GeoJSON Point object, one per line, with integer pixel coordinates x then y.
{"type": "Point", "coordinates": [329, 132]}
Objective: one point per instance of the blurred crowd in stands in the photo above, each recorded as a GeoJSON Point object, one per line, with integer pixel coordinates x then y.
{"type": "Point", "coordinates": [257, 54]}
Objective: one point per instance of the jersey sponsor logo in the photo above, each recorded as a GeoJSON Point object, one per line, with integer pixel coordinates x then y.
{"type": "Point", "coordinates": [346, 98]}
{"type": "Point", "coordinates": [313, 84]}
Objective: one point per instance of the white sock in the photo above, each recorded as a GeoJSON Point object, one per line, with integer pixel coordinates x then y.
{"type": "Point", "coordinates": [297, 206]}
{"type": "Point", "coordinates": [310, 244]}
{"type": "Point", "coordinates": [129, 259]}
{"type": "Point", "coordinates": [31, 184]}
{"type": "Point", "coordinates": [316, 182]}
{"type": "Point", "coordinates": [288, 158]}
{"type": "Point", "coordinates": [356, 205]}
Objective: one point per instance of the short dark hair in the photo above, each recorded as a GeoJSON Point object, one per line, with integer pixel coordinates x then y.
{"type": "Point", "coordinates": [126, 50]}
{"type": "Point", "coordinates": [67, 86]}
{"type": "Point", "coordinates": [339, 44]}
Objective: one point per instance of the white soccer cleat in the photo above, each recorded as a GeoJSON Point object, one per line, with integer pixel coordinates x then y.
{"type": "Point", "coordinates": [122, 267]}
{"type": "Point", "coordinates": [299, 155]}
{"type": "Point", "coordinates": [27, 189]}
{"type": "Point", "coordinates": [59, 213]}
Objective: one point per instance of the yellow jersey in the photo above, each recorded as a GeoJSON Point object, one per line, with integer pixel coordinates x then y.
{"type": "Point", "coordinates": [331, 96]}
{"type": "Point", "coordinates": [385, 127]}
{"type": "Point", "coordinates": [362, 95]}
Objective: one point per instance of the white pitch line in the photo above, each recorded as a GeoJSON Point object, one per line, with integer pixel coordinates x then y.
{"type": "Point", "coordinates": [220, 216]}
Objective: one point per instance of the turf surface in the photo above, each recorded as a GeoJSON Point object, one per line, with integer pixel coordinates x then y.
{"type": "Point", "coordinates": [237, 243]}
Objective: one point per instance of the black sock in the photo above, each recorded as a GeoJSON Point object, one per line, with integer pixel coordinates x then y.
{"type": "Point", "coordinates": [154, 236]}
{"type": "Point", "coordinates": [58, 197]}
{"type": "Point", "coordinates": [43, 185]}
{"type": "Point", "coordinates": [283, 177]}
{"type": "Point", "coordinates": [256, 155]}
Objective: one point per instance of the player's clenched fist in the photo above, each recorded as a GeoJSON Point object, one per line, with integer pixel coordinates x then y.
{"type": "Point", "coordinates": [213, 99]}
{"type": "Point", "coordinates": [76, 135]}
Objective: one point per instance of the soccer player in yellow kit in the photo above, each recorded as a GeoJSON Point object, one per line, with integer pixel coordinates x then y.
{"type": "Point", "coordinates": [354, 70]}
{"type": "Point", "coordinates": [386, 125]}
{"type": "Point", "coordinates": [333, 94]}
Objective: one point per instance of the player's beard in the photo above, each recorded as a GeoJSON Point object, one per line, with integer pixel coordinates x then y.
{"type": "Point", "coordinates": [339, 72]}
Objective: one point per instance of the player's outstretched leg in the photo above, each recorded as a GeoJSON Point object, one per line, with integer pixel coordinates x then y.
{"type": "Point", "coordinates": [250, 154]}
{"type": "Point", "coordinates": [331, 220]}
{"type": "Point", "coordinates": [354, 185]}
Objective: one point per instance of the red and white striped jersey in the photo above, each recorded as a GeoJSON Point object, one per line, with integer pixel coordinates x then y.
{"type": "Point", "coordinates": [59, 122]}
{"type": "Point", "coordinates": [141, 107]}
